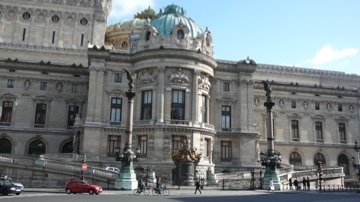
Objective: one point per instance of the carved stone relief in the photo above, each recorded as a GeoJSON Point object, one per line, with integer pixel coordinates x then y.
{"type": "Point", "coordinates": [179, 77]}
{"type": "Point", "coordinates": [204, 82]}
{"type": "Point", "coordinates": [147, 77]}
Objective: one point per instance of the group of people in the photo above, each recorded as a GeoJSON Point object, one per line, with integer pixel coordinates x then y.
{"type": "Point", "coordinates": [296, 184]}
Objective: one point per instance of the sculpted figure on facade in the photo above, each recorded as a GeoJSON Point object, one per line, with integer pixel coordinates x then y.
{"type": "Point", "coordinates": [179, 77]}
{"type": "Point", "coordinates": [146, 77]}
{"type": "Point", "coordinates": [204, 82]}
{"type": "Point", "coordinates": [27, 84]}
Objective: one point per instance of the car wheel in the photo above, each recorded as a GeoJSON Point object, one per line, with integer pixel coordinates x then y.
{"type": "Point", "coordinates": [91, 192]}
{"type": "Point", "coordinates": [18, 193]}
{"type": "Point", "coordinates": [68, 191]}
{"type": "Point", "coordinates": [96, 193]}
{"type": "Point", "coordinates": [5, 192]}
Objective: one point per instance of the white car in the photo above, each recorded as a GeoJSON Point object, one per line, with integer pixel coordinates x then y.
{"type": "Point", "coordinates": [113, 169]}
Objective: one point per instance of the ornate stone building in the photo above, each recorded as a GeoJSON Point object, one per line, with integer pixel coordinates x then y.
{"type": "Point", "coordinates": [49, 77]}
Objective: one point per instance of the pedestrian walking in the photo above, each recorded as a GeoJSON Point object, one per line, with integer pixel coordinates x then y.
{"type": "Point", "coordinates": [308, 183]}
{"type": "Point", "coordinates": [290, 183]}
{"type": "Point", "coordinates": [296, 184]}
{"type": "Point", "coordinates": [197, 187]}
{"type": "Point", "coordinates": [304, 183]}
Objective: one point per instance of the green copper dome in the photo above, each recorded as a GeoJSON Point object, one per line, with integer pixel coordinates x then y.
{"type": "Point", "coordinates": [171, 17]}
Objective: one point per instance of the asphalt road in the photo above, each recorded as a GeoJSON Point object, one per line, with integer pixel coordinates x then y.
{"type": "Point", "coordinates": [188, 196]}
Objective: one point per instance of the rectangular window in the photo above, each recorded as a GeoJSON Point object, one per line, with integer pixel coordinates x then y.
{"type": "Point", "coordinates": [207, 147]}
{"type": "Point", "coordinates": [43, 85]}
{"type": "Point", "coordinates": [24, 34]}
{"type": "Point", "coordinates": [203, 108]}
{"type": "Point", "coordinates": [146, 105]}
{"type": "Point", "coordinates": [72, 111]}
{"type": "Point", "coordinates": [342, 132]}
{"type": "Point", "coordinates": [319, 131]}
{"type": "Point", "coordinates": [53, 37]}
{"type": "Point", "coordinates": [40, 115]}
{"type": "Point", "coordinates": [225, 118]}
{"type": "Point", "coordinates": [10, 83]}
{"type": "Point", "coordinates": [226, 151]}
{"type": "Point", "coordinates": [293, 104]}
{"type": "Point", "coordinates": [115, 111]}
{"type": "Point", "coordinates": [176, 143]}
{"type": "Point", "coordinates": [317, 106]}
{"type": "Point", "coordinates": [118, 77]}
{"type": "Point", "coordinates": [340, 108]}
{"type": "Point", "coordinates": [143, 142]}
{"type": "Point", "coordinates": [75, 88]}
{"type": "Point", "coordinates": [178, 105]}
{"type": "Point", "coordinates": [295, 130]}
{"type": "Point", "coordinates": [6, 113]}
{"type": "Point", "coordinates": [82, 40]}
{"type": "Point", "coordinates": [113, 145]}
{"type": "Point", "coordinates": [226, 86]}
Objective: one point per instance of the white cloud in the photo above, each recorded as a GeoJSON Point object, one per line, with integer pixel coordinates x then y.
{"type": "Point", "coordinates": [328, 54]}
{"type": "Point", "coordinates": [122, 8]}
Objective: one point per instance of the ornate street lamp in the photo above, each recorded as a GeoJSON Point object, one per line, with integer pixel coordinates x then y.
{"type": "Point", "coordinates": [271, 160]}
{"type": "Point", "coordinates": [127, 177]}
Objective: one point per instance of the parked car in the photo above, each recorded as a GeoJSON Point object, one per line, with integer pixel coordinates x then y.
{"type": "Point", "coordinates": [7, 187]}
{"type": "Point", "coordinates": [7, 179]}
{"type": "Point", "coordinates": [113, 169]}
{"type": "Point", "coordinates": [82, 186]}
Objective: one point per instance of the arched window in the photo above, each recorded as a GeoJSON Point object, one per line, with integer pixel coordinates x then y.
{"type": "Point", "coordinates": [67, 148]}
{"type": "Point", "coordinates": [5, 146]}
{"type": "Point", "coordinates": [319, 157]}
{"type": "Point", "coordinates": [37, 147]}
{"type": "Point", "coordinates": [295, 159]}
{"type": "Point", "coordinates": [343, 161]}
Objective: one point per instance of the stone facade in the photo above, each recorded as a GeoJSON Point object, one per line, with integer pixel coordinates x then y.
{"type": "Point", "coordinates": [49, 77]}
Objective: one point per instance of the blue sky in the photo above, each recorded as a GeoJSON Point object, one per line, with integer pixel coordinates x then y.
{"type": "Point", "coordinates": [319, 34]}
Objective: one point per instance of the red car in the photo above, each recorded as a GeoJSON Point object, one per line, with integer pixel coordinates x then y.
{"type": "Point", "coordinates": [82, 186]}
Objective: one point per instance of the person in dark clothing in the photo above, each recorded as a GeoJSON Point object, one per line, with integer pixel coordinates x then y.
{"type": "Point", "coordinates": [197, 186]}
{"type": "Point", "coordinates": [158, 185]}
{"type": "Point", "coordinates": [308, 183]}
{"type": "Point", "coordinates": [296, 184]}
{"type": "Point", "coordinates": [304, 183]}
{"type": "Point", "coordinates": [290, 184]}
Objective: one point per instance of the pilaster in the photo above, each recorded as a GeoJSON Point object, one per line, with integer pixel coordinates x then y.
{"type": "Point", "coordinates": [195, 98]}
{"type": "Point", "coordinates": [160, 95]}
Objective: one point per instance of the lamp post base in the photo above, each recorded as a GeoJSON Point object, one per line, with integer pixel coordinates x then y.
{"type": "Point", "coordinates": [126, 179]}
{"type": "Point", "coordinates": [272, 174]}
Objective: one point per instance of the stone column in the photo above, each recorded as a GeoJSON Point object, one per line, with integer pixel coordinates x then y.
{"type": "Point", "coordinates": [99, 95]}
{"type": "Point", "coordinates": [195, 98]}
{"type": "Point", "coordinates": [160, 95]}
{"type": "Point", "coordinates": [91, 94]}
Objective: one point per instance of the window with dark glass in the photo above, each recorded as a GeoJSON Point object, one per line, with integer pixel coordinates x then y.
{"type": "Point", "coordinates": [340, 108]}
{"type": "Point", "coordinates": [293, 104]}
{"type": "Point", "coordinates": [317, 106]}
{"type": "Point", "coordinates": [118, 77]}
{"type": "Point", "coordinates": [148, 35]}
{"type": "Point", "coordinates": [115, 111]}
{"type": "Point", "coordinates": [295, 130]}
{"type": "Point", "coordinates": [225, 118]}
{"type": "Point", "coordinates": [37, 147]}
{"type": "Point", "coordinates": [319, 131]}
{"type": "Point", "coordinates": [113, 144]}
{"type": "Point", "coordinates": [75, 88]}
{"type": "Point", "coordinates": [319, 158]}
{"type": "Point", "coordinates": [5, 146]}
{"type": "Point", "coordinates": [295, 159]}
{"type": "Point", "coordinates": [178, 105]}
{"type": "Point", "coordinates": [226, 151]}
{"type": "Point", "coordinates": [176, 143]}
{"type": "Point", "coordinates": [10, 83]}
{"type": "Point", "coordinates": [40, 115]}
{"type": "Point", "coordinates": [342, 132]}
{"type": "Point", "coordinates": [82, 40]}
{"type": "Point", "coordinates": [146, 105]}
{"type": "Point", "coordinates": [143, 140]}
{"type": "Point", "coordinates": [226, 86]}
{"type": "Point", "coordinates": [6, 113]}
{"type": "Point", "coordinates": [72, 111]}
{"type": "Point", "coordinates": [67, 148]}
{"type": "Point", "coordinates": [207, 147]}
{"type": "Point", "coordinates": [343, 161]}
{"type": "Point", "coordinates": [43, 85]}
{"type": "Point", "coordinates": [203, 108]}
{"type": "Point", "coordinates": [24, 34]}
{"type": "Point", "coordinates": [53, 37]}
